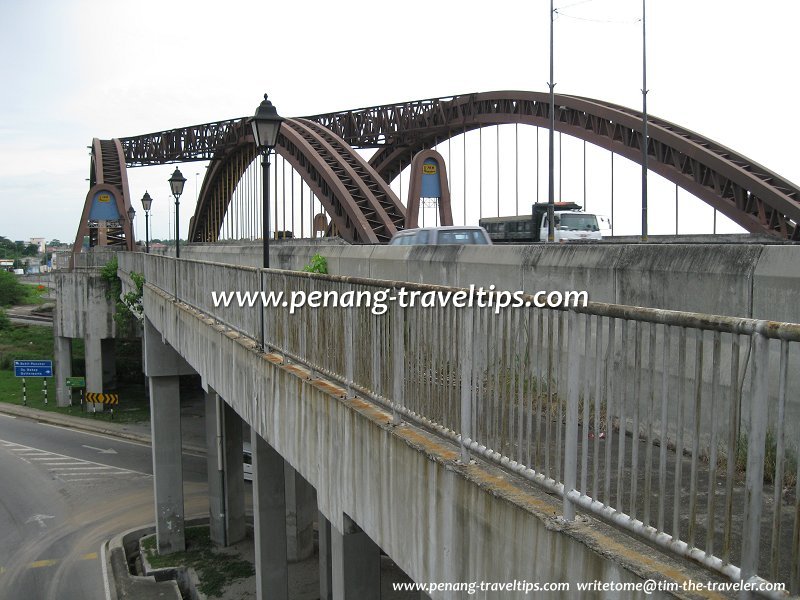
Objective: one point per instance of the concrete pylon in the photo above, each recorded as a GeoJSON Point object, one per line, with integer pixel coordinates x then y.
{"type": "Point", "coordinates": [163, 367]}
{"type": "Point", "coordinates": [269, 521]}
{"type": "Point", "coordinates": [355, 563]}
{"type": "Point", "coordinates": [301, 507]}
{"type": "Point", "coordinates": [62, 350]}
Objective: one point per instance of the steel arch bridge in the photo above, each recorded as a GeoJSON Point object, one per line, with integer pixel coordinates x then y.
{"type": "Point", "coordinates": [365, 210]}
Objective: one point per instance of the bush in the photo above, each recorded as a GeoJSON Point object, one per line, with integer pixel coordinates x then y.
{"type": "Point", "coordinates": [5, 322]}
{"type": "Point", "coordinates": [11, 290]}
{"type": "Point", "coordinates": [318, 265]}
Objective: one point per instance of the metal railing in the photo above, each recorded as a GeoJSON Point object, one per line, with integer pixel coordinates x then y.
{"type": "Point", "coordinates": [681, 428]}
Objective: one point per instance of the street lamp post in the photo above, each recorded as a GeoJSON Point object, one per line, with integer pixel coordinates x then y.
{"type": "Point", "coordinates": [147, 201]}
{"type": "Point", "coordinates": [266, 125]}
{"type": "Point", "coordinates": [176, 183]}
{"type": "Point", "coordinates": [131, 215]}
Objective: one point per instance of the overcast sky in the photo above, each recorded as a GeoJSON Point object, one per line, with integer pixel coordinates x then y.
{"type": "Point", "coordinates": [74, 70]}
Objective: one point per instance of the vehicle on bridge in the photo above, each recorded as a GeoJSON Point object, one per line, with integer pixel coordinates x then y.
{"type": "Point", "coordinates": [448, 234]}
{"type": "Point", "coordinates": [570, 223]}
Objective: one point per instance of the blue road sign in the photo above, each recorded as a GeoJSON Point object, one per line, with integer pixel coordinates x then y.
{"type": "Point", "coordinates": [33, 368]}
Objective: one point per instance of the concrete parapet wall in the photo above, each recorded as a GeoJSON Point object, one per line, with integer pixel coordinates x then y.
{"type": "Point", "coordinates": [743, 280]}
{"type": "Point", "coordinates": [707, 278]}
{"type": "Point", "coordinates": [438, 519]}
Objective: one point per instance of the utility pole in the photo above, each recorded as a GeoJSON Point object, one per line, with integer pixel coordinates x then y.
{"type": "Point", "coordinates": [551, 151]}
{"type": "Point", "coordinates": [644, 122]}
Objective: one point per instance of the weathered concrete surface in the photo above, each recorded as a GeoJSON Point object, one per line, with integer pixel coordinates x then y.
{"type": "Point", "coordinates": [82, 308]}
{"type": "Point", "coordinates": [439, 520]}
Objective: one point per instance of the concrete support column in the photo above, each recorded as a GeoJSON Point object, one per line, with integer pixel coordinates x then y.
{"type": "Point", "coordinates": [325, 584]}
{"type": "Point", "coordinates": [215, 462]}
{"type": "Point", "coordinates": [62, 350]}
{"type": "Point", "coordinates": [108, 349]}
{"type": "Point", "coordinates": [165, 420]}
{"type": "Point", "coordinates": [269, 521]}
{"type": "Point", "coordinates": [163, 367]}
{"type": "Point", "coordinates": [233, 474]}
{"type": "Point", "coordinates": [356, 564]}
{"type": "Point", "coordinates": [301, 506]}
{"type": "Point", "coordinates": [93, 352]}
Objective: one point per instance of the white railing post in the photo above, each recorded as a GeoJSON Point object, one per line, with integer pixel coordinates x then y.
{"type": "Point", "coordinates": [398, 360]}
{"type": "Point", "coordinates": [756, 438]}
{"type": "Point", "coordinates": [348, 350]}
{"type": "Point", "coordinates": [466, 351]}
{"type": "Point", "coordinates": [571, 433]}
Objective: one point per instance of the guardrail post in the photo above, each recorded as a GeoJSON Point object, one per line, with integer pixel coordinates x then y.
{"type": "Point", "coordinates": [467, 360]}
{"type": "Point", "coordinates": [398, 360]}
{"type": "Point", "coordinates": [285, 325]}
{"type": "Point", "coordinates": [348, 350]}
{"type": "Point", "coordinates": [756, 439]}
{"type": "Point", "coordinates": [571, 433]}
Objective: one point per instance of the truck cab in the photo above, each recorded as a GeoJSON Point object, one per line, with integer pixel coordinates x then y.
{"type": "Point", "coordinates": [570, 222]}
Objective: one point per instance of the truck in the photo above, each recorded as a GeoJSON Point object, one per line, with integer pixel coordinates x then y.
{"type": "Point", "coordinates": [570, 223]}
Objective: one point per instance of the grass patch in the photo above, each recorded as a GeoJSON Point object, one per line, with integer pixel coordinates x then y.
{"type": "Point", "coordinates": [33, 294]}
{"type": "Point", "coordinates": [35, 342]}
{"type": "Point", "coordinates": [215, 569]}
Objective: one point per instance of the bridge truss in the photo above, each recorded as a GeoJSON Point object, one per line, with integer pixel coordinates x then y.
{"type": "Point", "coordinates": [364, 209]}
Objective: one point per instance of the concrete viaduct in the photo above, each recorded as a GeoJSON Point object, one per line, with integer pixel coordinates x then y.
{"type": "Point", "coordinates": [417, 445]}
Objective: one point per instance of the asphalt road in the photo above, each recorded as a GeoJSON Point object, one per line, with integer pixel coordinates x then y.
{"type": "Point", "coordinates": [62, 494]}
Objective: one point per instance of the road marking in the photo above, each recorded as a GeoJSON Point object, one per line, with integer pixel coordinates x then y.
{"type": "Point", "coordinates": [42, 563]}
{"type": "Point", "coordinates": [49, 562]}
{"type": "Point", "coordinates": [68, 468]}
{"type": "Point", "coordinates": [100, 450]}
{"type": "Point", "coordinates": [40, 520]}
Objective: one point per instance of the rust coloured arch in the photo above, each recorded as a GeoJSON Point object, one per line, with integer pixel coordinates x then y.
{"type": "Point", "coordinates": [362, 206]}
{"type": "Point", "coordinates": [756, 198]}
{"type": "Point", "coordinates": [749, 194]}
{"type": "Point", "coordinates": [107, 170]}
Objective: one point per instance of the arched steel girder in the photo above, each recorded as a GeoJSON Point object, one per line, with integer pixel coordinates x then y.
{"type": "Point", "coordinates": [749, 194]}
{"type": "Point", "coordinates": [107, 168]}
{"type": "Point", "coordinates": [360, 203]}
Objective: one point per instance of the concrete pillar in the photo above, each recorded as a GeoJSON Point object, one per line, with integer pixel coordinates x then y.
{"type": "Point", "coordinates": [93, 353]}
{"type": "Point", "coordinates": [301, 506]}
{"type": "Point", "coordinates": [325, 585]}
{"type": "Point", "coordinates": [62, 350]}
{"type": "Point", "coordinates": [233, 474]}
{"type": "Point", "coordinates": [165, 422]}
{"type": "Point", "coordinates": [355, 564]}
{"type": "Point", "coordinates": [163, 367]}
{"type": "Point", "coordinates": [215, 462]}
{"type": "Point", "coordinates": [108, 349]}
{"type": "Point", "coordinates": [269, 521]}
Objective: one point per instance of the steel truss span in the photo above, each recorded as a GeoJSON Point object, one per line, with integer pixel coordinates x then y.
{"type": "Point", "coordinates": [749, 194]}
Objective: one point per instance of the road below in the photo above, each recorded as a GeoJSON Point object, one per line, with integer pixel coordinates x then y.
{"type": "Point", "coordinates": [64, 493]}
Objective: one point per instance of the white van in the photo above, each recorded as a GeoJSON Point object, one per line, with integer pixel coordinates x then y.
{"type": "Point", "coordinates": [247, 459]}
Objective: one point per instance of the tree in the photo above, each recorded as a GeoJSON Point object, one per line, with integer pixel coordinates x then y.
{"type": "Point", "coordinates": [30, 250]}
{"type": "Point", "coordinates": [11, 291]}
